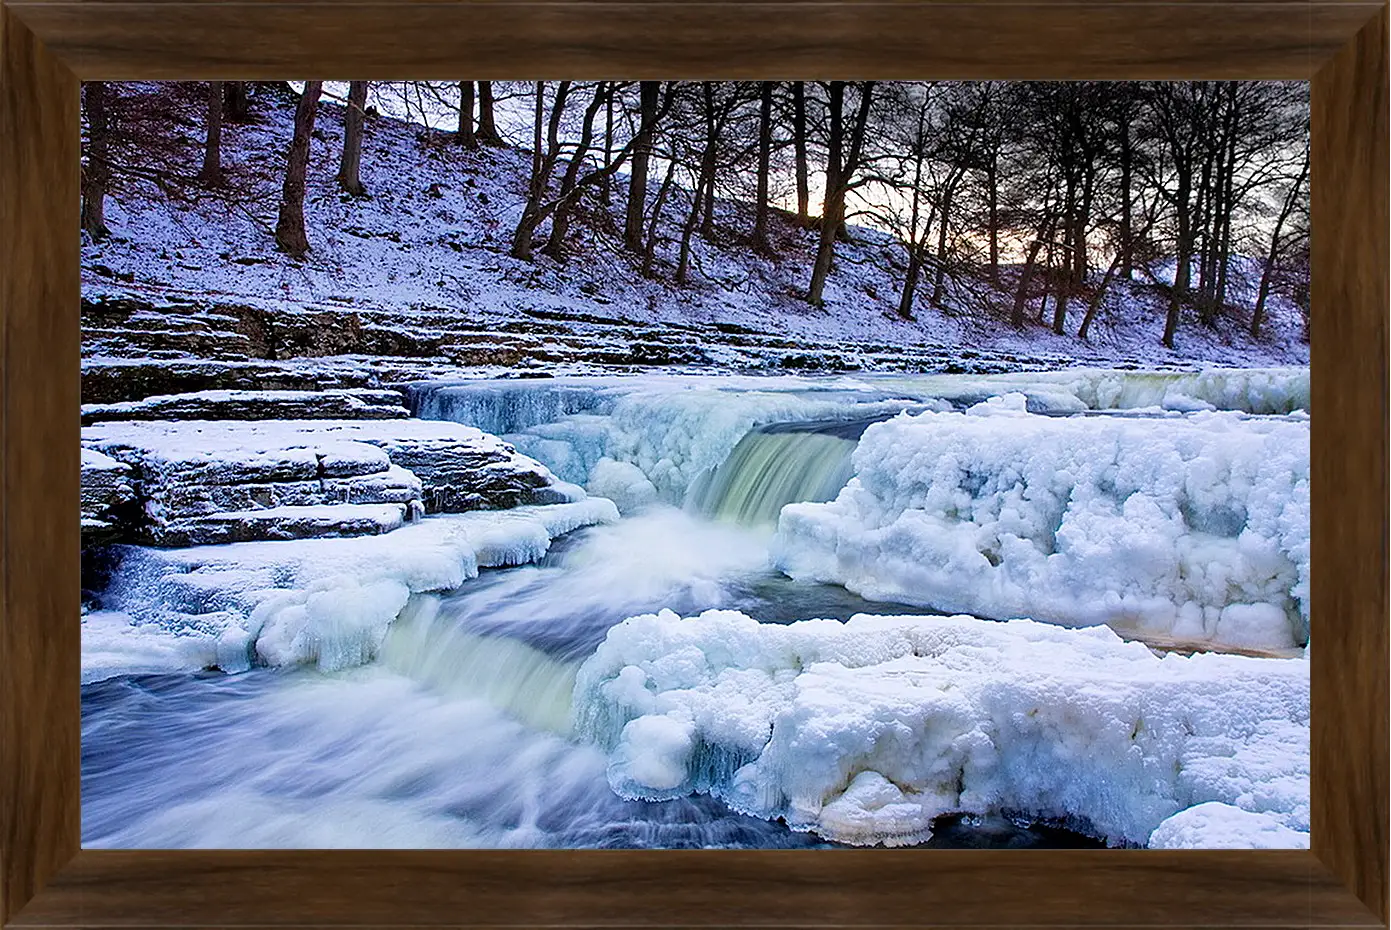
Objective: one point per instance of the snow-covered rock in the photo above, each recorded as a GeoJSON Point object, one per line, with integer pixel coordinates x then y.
{"type": "Point", "coordinates": [865, 731]}
{"type": "Point", "coordinates": [209, 481]}
{"type": "Point", "coordinates": [1191, 528]}
{"type": "Point", "coordinates": [107, 495]}
{"type": "Point", "coordinates": [326, 602]}
{"type": "Point", "coordinates": [1214, 825]}
{"type": "Point", "coordinates": [345, 404]}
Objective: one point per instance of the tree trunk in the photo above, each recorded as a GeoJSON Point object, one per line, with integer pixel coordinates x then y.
{"type": "Point", "coordinates": [349, 168]}
{"type": "Point", "coordinates": [541, 165]}
{"type": "Point", "coordinates": [992, 192]}
{"type": "Point", "coordinates": [859, 129]}
{"type": "Point", "coordinates": [237, 102]}
{"type": "Point", "coordinates": [649, 251]}
{"type": "Point", "coordinates": [289, 229]}
{"type": "Point", "coordinates": [606, 185]}
{"type": "Point", "coordinates": [487, 129]}
{"type": "Point", "coordinates": [1258, 314]}
{"type": "Point", "coordinates": [830, 204]}
{"type": "Point", "coordinates": [1204, 229]}
{"type": "Point", "coordinates": [212, 150]}
{"type": "Point", "coordinates": [466, 136]}
{"type": "Point", "coordinates": [1084, 215]}
{"type": "Point", "coordinates": [569, 192]}
{"type": "Point", "coordinates": [1229, 203]}
{"type": "Point", "coordinates": [939, 283]}
{"type": "Point", "coordinates": [96, 173]}
{"type": "Point", "coordinates": [1097, 298]}
{"type": "Point", "coordinates": [1021, 293]}
{"type": "Point", "coordinates": [705, 185]}
{"type": "Point", "coordinates": [799, 148]}
{"type": "Point", "coordinates": [1182, 270]}
{"type": "Point", "coordinates": [1127, 243]}
{"type": "Point", "coordinates": [637, 176]}
{"type": "Point", "coordinates": [910, 281]}
{"type": "Point", "coordinates": [1060, 298]}
{"type": "Point", "coordinates": [707, 222]}
{"type": "Point", "coordinates": [765, 155]}
{"type": "Point", "coordinates": [683, 263]}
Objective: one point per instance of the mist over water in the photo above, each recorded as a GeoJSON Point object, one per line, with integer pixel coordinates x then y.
{"type": "Point", "coordinates": [368, 759]}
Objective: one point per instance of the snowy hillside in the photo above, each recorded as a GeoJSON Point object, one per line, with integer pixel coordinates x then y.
{"type": "Point", "coordinates": [427, 249]}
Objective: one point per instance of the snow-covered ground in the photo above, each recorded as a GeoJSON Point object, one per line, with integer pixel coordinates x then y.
{"type": "Point", "coordinates": [432, 238]}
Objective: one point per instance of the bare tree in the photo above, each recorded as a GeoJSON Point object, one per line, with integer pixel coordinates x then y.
{"type": "Point", "coordinates": [289, 228]}
{"type": "Point", "coordinates": [96, 171]}
{"type": "Point", "coordinates": [569, 183]}
{"type": "Point", "coordinates": [487, 126]}
{"type": "Point", "coordinates": [466, 135]}
{"type": "Point", "coordinates": [799, 147]}
{"type": "Point", "coordinates": [350, 166]}
{"type": "Point", "coordinates": [237, 100]}
{"type": "Point", "coordinates": [1272, 257]}
{"type": "Point", "coordinates": [637, 177]}
{"type": "Point", "coordinates": [545, 157]}
{"type": "Point", "coordinates": [840, 170]}
{"type": "Point", "coordinates": [765, 154]}
{"type": "Point", "coordinates": [212, 148]}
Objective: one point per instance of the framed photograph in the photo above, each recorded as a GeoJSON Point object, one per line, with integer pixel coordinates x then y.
{"type": "Point", "coordinates": [737, 463]}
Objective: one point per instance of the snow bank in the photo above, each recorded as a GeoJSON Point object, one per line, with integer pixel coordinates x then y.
{"type": "Point", "coordinates": [1194, 528]}
{"type": "Point", "coordinates": [1214, 825]}
{"type": "Point", "coordinates": [326, 602]}
{"type": "Point", "coordinates": [114, 643]}
{"type": "Point", "coordinates": [865, 731]}
{"type": "Point", "coordinates": [1245, 390]}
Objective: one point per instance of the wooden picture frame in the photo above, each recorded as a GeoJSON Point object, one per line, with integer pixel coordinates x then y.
{"type": "Point", "coordinates": [49, 45]}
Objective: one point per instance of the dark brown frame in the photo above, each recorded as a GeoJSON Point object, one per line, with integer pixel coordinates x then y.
{"type": "Point", "coordinates": [48, 45]}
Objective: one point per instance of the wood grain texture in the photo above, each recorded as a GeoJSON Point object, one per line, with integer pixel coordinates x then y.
{"type": "Point", "coordinates": [1349, 469]}
{"type": "Point", "coordinates": [620, 889]}
{"type": "Point", "coordinates": [39, 726]}
{"type": "Point", "coordinates": [39, 813]}
{"type": "Point", "coordinates": [514, 39]}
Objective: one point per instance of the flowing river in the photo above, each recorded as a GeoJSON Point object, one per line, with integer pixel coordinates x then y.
{"type": "Point", "coordinates": [461, 732]}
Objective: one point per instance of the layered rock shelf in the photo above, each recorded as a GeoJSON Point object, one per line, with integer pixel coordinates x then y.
{"type": "Point", "coordinates": [214, 481]}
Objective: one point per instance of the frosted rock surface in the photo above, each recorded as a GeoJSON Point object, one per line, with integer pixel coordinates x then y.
{"type": "Point", "coordinates": [199, 480]}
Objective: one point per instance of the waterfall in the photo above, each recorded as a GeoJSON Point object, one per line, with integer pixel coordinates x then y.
{"type": "Point", "coordinates": [503, 406]}
{"type": "Point", "coordinates": [431, 648]}
{"type": "Point", "coordinates": [778, 465]}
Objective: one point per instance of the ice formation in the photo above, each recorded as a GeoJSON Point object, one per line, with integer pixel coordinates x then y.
{"type": "Point", "coordinates": [1213, 824]}
{"type": "Point", "coordinates": [325, 602]}
{"type": "Point", "coordinates": [676, 429]}
{"type": "Point", "coordinates": [1194, 528]}
{"type": "Point", "coordinates": [865, 731]}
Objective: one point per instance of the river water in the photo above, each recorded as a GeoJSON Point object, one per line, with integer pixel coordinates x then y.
{"type": "Point", "coordinates": [458, 734]}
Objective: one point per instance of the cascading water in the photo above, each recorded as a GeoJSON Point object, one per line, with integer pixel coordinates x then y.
{"type": "Point", "coordinates": [775, 466]}
{"type": "Point", "coordinates": [460, 732]}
